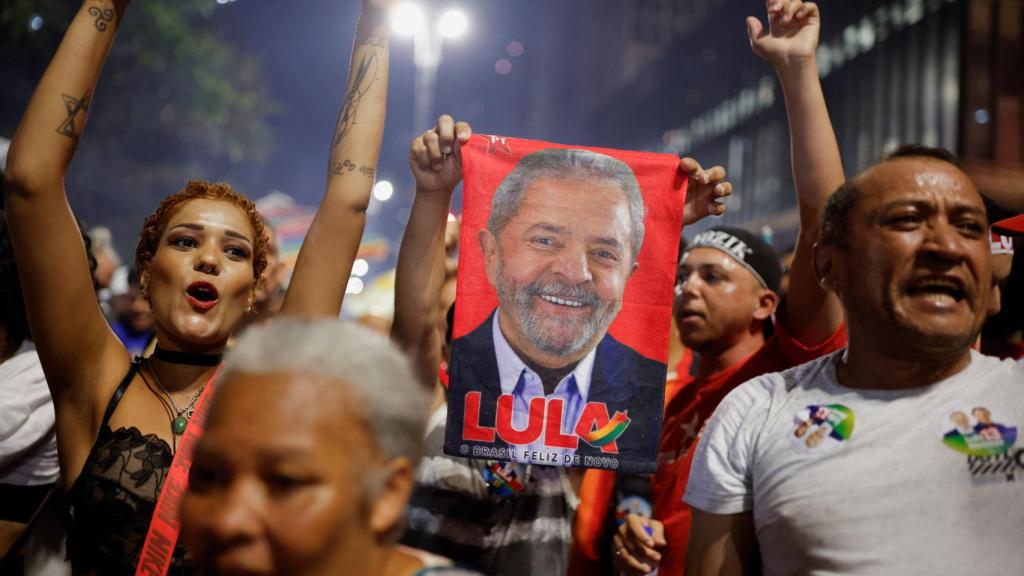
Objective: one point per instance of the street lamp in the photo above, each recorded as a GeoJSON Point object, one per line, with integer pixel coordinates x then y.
{"type": "Point", "coordinates": [355, 286]}
{"type": "Point", "coordinates": [409, 19]}
{"type": "Point", "coordinates": [360, 267]}
{"type": "Point", "coordinates": [406, 19]}
{"type": "Point", "coordinates": [453, 24]}
{"type": "Point", "coordinates": [383, 190]}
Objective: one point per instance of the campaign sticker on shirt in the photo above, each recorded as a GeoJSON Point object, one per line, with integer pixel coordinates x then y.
{"type": "Point", "coordinates": [822, 427]}
{"type": "Point", "coordinates": [635, 505]}
{"type": "Point", "coordinates": [504, 478]}
{"type": "Point", "coordinates": [976, 431]}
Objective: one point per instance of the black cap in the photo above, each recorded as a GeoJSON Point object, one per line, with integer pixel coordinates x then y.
{"type": "Point", "coordinates": [748, 249]}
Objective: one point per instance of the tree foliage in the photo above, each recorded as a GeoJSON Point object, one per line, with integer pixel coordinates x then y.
{"type": "Point", "coordinates": [175, 101]}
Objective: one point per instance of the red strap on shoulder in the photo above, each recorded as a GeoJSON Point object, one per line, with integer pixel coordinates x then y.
{"type": "Point", "coordinates": [158, 549]}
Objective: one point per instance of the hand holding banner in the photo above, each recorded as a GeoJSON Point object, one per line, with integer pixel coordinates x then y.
{"type": "Point", "coordinates": [564, 301]}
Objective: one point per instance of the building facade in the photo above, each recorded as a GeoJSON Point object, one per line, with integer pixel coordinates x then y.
{"type": "Point", "coordinates": [936, 72]}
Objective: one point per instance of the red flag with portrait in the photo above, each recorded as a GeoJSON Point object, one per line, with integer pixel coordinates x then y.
{"type": "Point", "coordinates": [566, 269]}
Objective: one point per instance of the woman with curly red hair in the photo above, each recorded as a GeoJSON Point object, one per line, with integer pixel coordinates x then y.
{"type": "Point", "coordinates": [122, 422]}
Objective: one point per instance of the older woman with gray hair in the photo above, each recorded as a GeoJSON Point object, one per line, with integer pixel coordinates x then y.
{"type": "Point", "coordinates": [308, 456]}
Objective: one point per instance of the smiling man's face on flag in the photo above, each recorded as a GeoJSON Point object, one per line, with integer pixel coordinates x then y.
{"type": "Point", "coordinates": [564, 294]}
{"type": "Point", "coordinates": [560, 265]}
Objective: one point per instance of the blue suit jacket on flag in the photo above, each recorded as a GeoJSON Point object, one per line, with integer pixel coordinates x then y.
{"type": "Point", "coordinates": [622, 379]}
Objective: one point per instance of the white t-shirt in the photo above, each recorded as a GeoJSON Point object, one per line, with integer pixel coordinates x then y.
{"type": "Point", "coordinates": [28, 437]}
{"type": "Point", "coordinates": [845, 481]}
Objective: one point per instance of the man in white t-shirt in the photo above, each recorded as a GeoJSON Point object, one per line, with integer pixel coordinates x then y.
{"type": "Point", "coordinates": [898, 455]}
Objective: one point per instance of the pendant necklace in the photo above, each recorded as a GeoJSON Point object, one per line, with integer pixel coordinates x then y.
{"type": "Point", "coordinates": [181, 416]}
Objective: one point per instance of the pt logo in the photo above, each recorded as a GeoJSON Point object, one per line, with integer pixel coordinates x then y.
{"type": "Point", "coordinates": [594, 426]}
{"type": "Point", "coordinates": [499, 143]}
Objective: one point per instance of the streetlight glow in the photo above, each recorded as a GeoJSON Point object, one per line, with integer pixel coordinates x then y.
{"type": "Point", "coordinates": [355, 286]}
{"type": "Point", "coordinates": [428, 33]}
{"type": "Point", "coordinates": [383, 190]}
{"type": "Point", "coordinates": [360, 267]}
{"type": "Point", "coordinates": [406, 19]}
{"type": "Point", "coordinates": [453, 24]}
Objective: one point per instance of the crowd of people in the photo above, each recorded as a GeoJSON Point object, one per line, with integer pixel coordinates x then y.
{"type": "Point", "coordinates": [826, 411]}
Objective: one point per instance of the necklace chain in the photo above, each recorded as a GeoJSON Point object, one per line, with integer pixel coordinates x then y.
{"type": "Point", "coordinates": [187, 410]}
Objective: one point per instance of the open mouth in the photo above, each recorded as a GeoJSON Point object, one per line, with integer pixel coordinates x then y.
{"type": "Point", "coordinates": [941, 290]}
{"type": "Point", "coordinates": [687, 314]}
{"type": "Point", "coordinates": [229, 567]}
{"type": "Point", "coordinates": [202, 295]}
{"type": "Point", "coordinates": [562, 301]}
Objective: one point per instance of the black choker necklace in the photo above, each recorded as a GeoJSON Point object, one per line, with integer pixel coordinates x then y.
{"type": "Point", "coordinates": [191, 358]}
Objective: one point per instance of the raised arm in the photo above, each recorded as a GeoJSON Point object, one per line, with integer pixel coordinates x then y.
{"type": "Point", "coordinates": [69, 330]}
{"type": "Point", "coordinates": [325, 260]}
{"type": "Point", "coordinates": [436, 162]}
{"type": "Point", "coordinates": [789, 45]}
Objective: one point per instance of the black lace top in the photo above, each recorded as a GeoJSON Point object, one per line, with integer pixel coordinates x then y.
{"type": "Point", "coordinates": [112, 500]}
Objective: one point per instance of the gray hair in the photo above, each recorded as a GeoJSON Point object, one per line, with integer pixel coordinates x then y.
{"type": "Point", "coordinates": [565, 164]}
{"type": "Point", "coordinates": [391, 400]}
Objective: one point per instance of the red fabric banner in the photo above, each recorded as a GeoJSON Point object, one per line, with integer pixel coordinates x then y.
{"type": "Point", "coordinates": [157, 550]}
{"type": "Point", "coordinates": [566, 270]}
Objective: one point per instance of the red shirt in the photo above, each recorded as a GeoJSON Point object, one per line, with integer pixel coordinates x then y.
{"type": "Point", "coordinates": [685, 417]}
{"type": "Point", "coordinates": [596, 492]}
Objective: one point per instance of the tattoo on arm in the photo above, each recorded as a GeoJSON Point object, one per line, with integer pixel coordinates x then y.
{"type": "Point", "coordinates": [365, 76]}
{"type": "Point", "coordinates": [73, 106]}
{"type": "Point", "coordinates": [346, 166]}
{"type": "Point", "coordinates": [377, 40]}
{"type": "Point", "coordinates": [103, 17]}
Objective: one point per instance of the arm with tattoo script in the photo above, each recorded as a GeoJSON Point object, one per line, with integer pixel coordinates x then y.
{"type": "Point", "coordinates": [83, 359]}
{"type": "Point", "coordinates": [325, 260]}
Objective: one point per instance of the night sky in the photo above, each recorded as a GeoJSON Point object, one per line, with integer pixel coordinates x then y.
{"type": "Point", "coordinates": [305, 46]}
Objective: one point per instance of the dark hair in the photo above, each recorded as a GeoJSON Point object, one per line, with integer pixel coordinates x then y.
{"type": "Point", "coordinates": [450, 330]}
{"type": "Point", "coordinates": [12, 308]}
{"type": "Point", "coordinates": [683, 245]}
{"type": "Point", "coordinates": [134, 278]}
{"type": "Point", "coordinates": [836, 215]}
{"type": "Point", "coordinates": [996, 211]}
{"type": "Point", "coordinates": [922, 151]}
{"type": "Point", "coordinates": [90, 256]}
